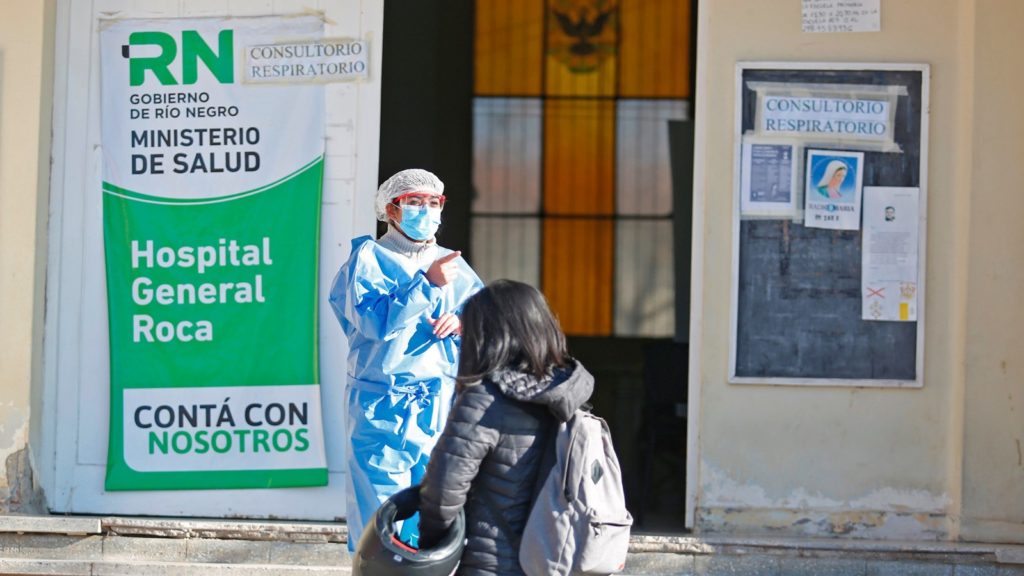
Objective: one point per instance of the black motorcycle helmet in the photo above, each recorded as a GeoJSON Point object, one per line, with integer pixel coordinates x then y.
{"type": "Point", "coordinates": [381, 553]}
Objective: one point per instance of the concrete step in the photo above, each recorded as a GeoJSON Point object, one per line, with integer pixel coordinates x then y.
{"type": "Point", "coordinates": [50, 567]}
{"type": "Point", "coordinates": [158, 547]}
{"type": "Point", "coordinates": [170, 547]}
{"type": "Point", "coordinates": [107, 548]}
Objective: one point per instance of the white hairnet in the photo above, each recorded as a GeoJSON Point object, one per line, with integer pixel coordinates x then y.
{"type": "Point", "coordinates": [411, 180]}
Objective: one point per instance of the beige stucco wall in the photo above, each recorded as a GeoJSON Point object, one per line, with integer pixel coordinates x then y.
{"type": "Point", "coordinates": [26, 40]}
{"type": "Point", "coordinates": [994, 440]}
{"type": "Point", "coordinates": [876, 462]}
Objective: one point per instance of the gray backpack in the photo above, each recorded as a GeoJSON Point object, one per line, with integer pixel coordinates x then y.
{"type": "Point", "coordinates": [578, 523]}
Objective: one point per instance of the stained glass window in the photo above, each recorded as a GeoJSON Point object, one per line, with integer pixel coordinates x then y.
{"type": "Point", "coordinates": [570, 155]}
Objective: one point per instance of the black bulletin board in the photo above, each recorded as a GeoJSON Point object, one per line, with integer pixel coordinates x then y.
{"type": "Point", "coordinates": [797, 301]}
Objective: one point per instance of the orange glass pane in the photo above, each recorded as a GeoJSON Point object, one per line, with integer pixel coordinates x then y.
{"type": "Point", "coordinates": [654, 59]}
{"type": "Point", "coordinates": [579, 157]}
{"type": "Point", "coordinates": [582, 47]}
{"type": "Point", "coordinates": [577, 273]}
{"type": "Point", "coordinates": [509, 43]}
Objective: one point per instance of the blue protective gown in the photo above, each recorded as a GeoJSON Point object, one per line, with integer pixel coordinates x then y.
{"type": "Point", "coordinates": [400, 376]}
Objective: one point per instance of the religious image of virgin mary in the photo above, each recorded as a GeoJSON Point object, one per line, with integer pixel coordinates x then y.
{"type": "Point", "coordinates": [832, 181]}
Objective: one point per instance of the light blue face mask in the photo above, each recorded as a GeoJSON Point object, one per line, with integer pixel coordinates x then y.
{"type": "Point", "coordinates": [420, 222]}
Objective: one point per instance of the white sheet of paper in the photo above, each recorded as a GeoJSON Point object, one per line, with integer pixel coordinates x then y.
{"type": "Point", "coordinates": [842, 15]}
{"type": "Point", "coordinates": [890, 254]}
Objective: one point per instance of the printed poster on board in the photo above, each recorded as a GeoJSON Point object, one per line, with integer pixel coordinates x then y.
{"type": "Point", "coordinates": [890, 261]}
{"type": "Point", "coordinates": [211, 216]}
{"type": "Point", "coordinates": [768, 178]}
{"type": "Point", "coordinates": [832, 189]}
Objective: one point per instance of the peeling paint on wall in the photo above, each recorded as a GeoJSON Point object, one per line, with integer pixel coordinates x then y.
{"type": "Point", "coordinates": [21, 494]}
{"type": "Point", "coordinates": [895, 499]}
{"type": "Point", "coordinates": [13, 437]}
{"type": "Point", "coordinates": [733, 506]}
{"type": "Point", "coordinates": [18, 490]}
{"type": "Point", "coordinates": [874, 525]}
{"type": "Point", "coordinates": [719, 489]}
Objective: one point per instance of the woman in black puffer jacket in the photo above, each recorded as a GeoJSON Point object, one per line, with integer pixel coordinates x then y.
{"type": "Point", "coordinates": [516, 382]}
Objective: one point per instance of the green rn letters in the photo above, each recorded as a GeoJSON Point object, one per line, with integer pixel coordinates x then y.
{"type": "Point", "coordinates": [193, 48]}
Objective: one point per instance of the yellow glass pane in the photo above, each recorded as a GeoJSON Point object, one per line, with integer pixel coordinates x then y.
{"type": "Point", "coordinates": [577, 273]}
{"type": "Point", "coordinates": [509, 42]}
{"type": "Point", "coordinates": [582, 46]}
{"type": "Point", "coordinates": [654, 59]}
{"type": "Point", "coordinates": [579, 157]}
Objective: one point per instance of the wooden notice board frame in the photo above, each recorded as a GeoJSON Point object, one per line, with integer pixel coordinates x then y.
{"type": "Point", "coordinates": [803, 325]}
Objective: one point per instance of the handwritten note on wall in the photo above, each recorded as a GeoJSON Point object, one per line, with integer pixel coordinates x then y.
{"type": "Point", "coordinates": [842, 15]}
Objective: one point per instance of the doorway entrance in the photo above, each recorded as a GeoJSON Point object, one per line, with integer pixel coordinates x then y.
{"type": "Point", "coordinates": [549, 122]}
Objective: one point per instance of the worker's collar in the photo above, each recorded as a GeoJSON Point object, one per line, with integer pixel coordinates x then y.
{"type": "Point", "coordinates": [395, 241]}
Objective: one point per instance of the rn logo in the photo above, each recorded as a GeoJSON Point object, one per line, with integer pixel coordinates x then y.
{"type": "Point", "coordinates": [193, 49]}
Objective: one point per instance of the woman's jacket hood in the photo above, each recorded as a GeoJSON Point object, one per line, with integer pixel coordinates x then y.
{"type": "Point", "coordinates": [563, 391]}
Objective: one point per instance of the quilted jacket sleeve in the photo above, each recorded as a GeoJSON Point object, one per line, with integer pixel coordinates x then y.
{"type": "Point", "coordinates": [468, 437]}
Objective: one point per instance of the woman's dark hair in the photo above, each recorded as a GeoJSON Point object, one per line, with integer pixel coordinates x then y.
{"type": "Point", "coordinates": [508, 325]}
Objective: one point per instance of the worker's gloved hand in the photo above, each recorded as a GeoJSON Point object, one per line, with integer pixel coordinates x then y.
{"type": "Point", "coordinates": [444, 269]}
{"type": "Point", "coordinates": [446, 325]}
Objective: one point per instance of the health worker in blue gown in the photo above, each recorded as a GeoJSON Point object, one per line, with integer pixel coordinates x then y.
{"type": "Point", "coordinates": [398, 300]}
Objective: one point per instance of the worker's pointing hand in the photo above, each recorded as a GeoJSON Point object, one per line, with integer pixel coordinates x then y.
{"type": "Point", "coordinates": [444, 269]}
